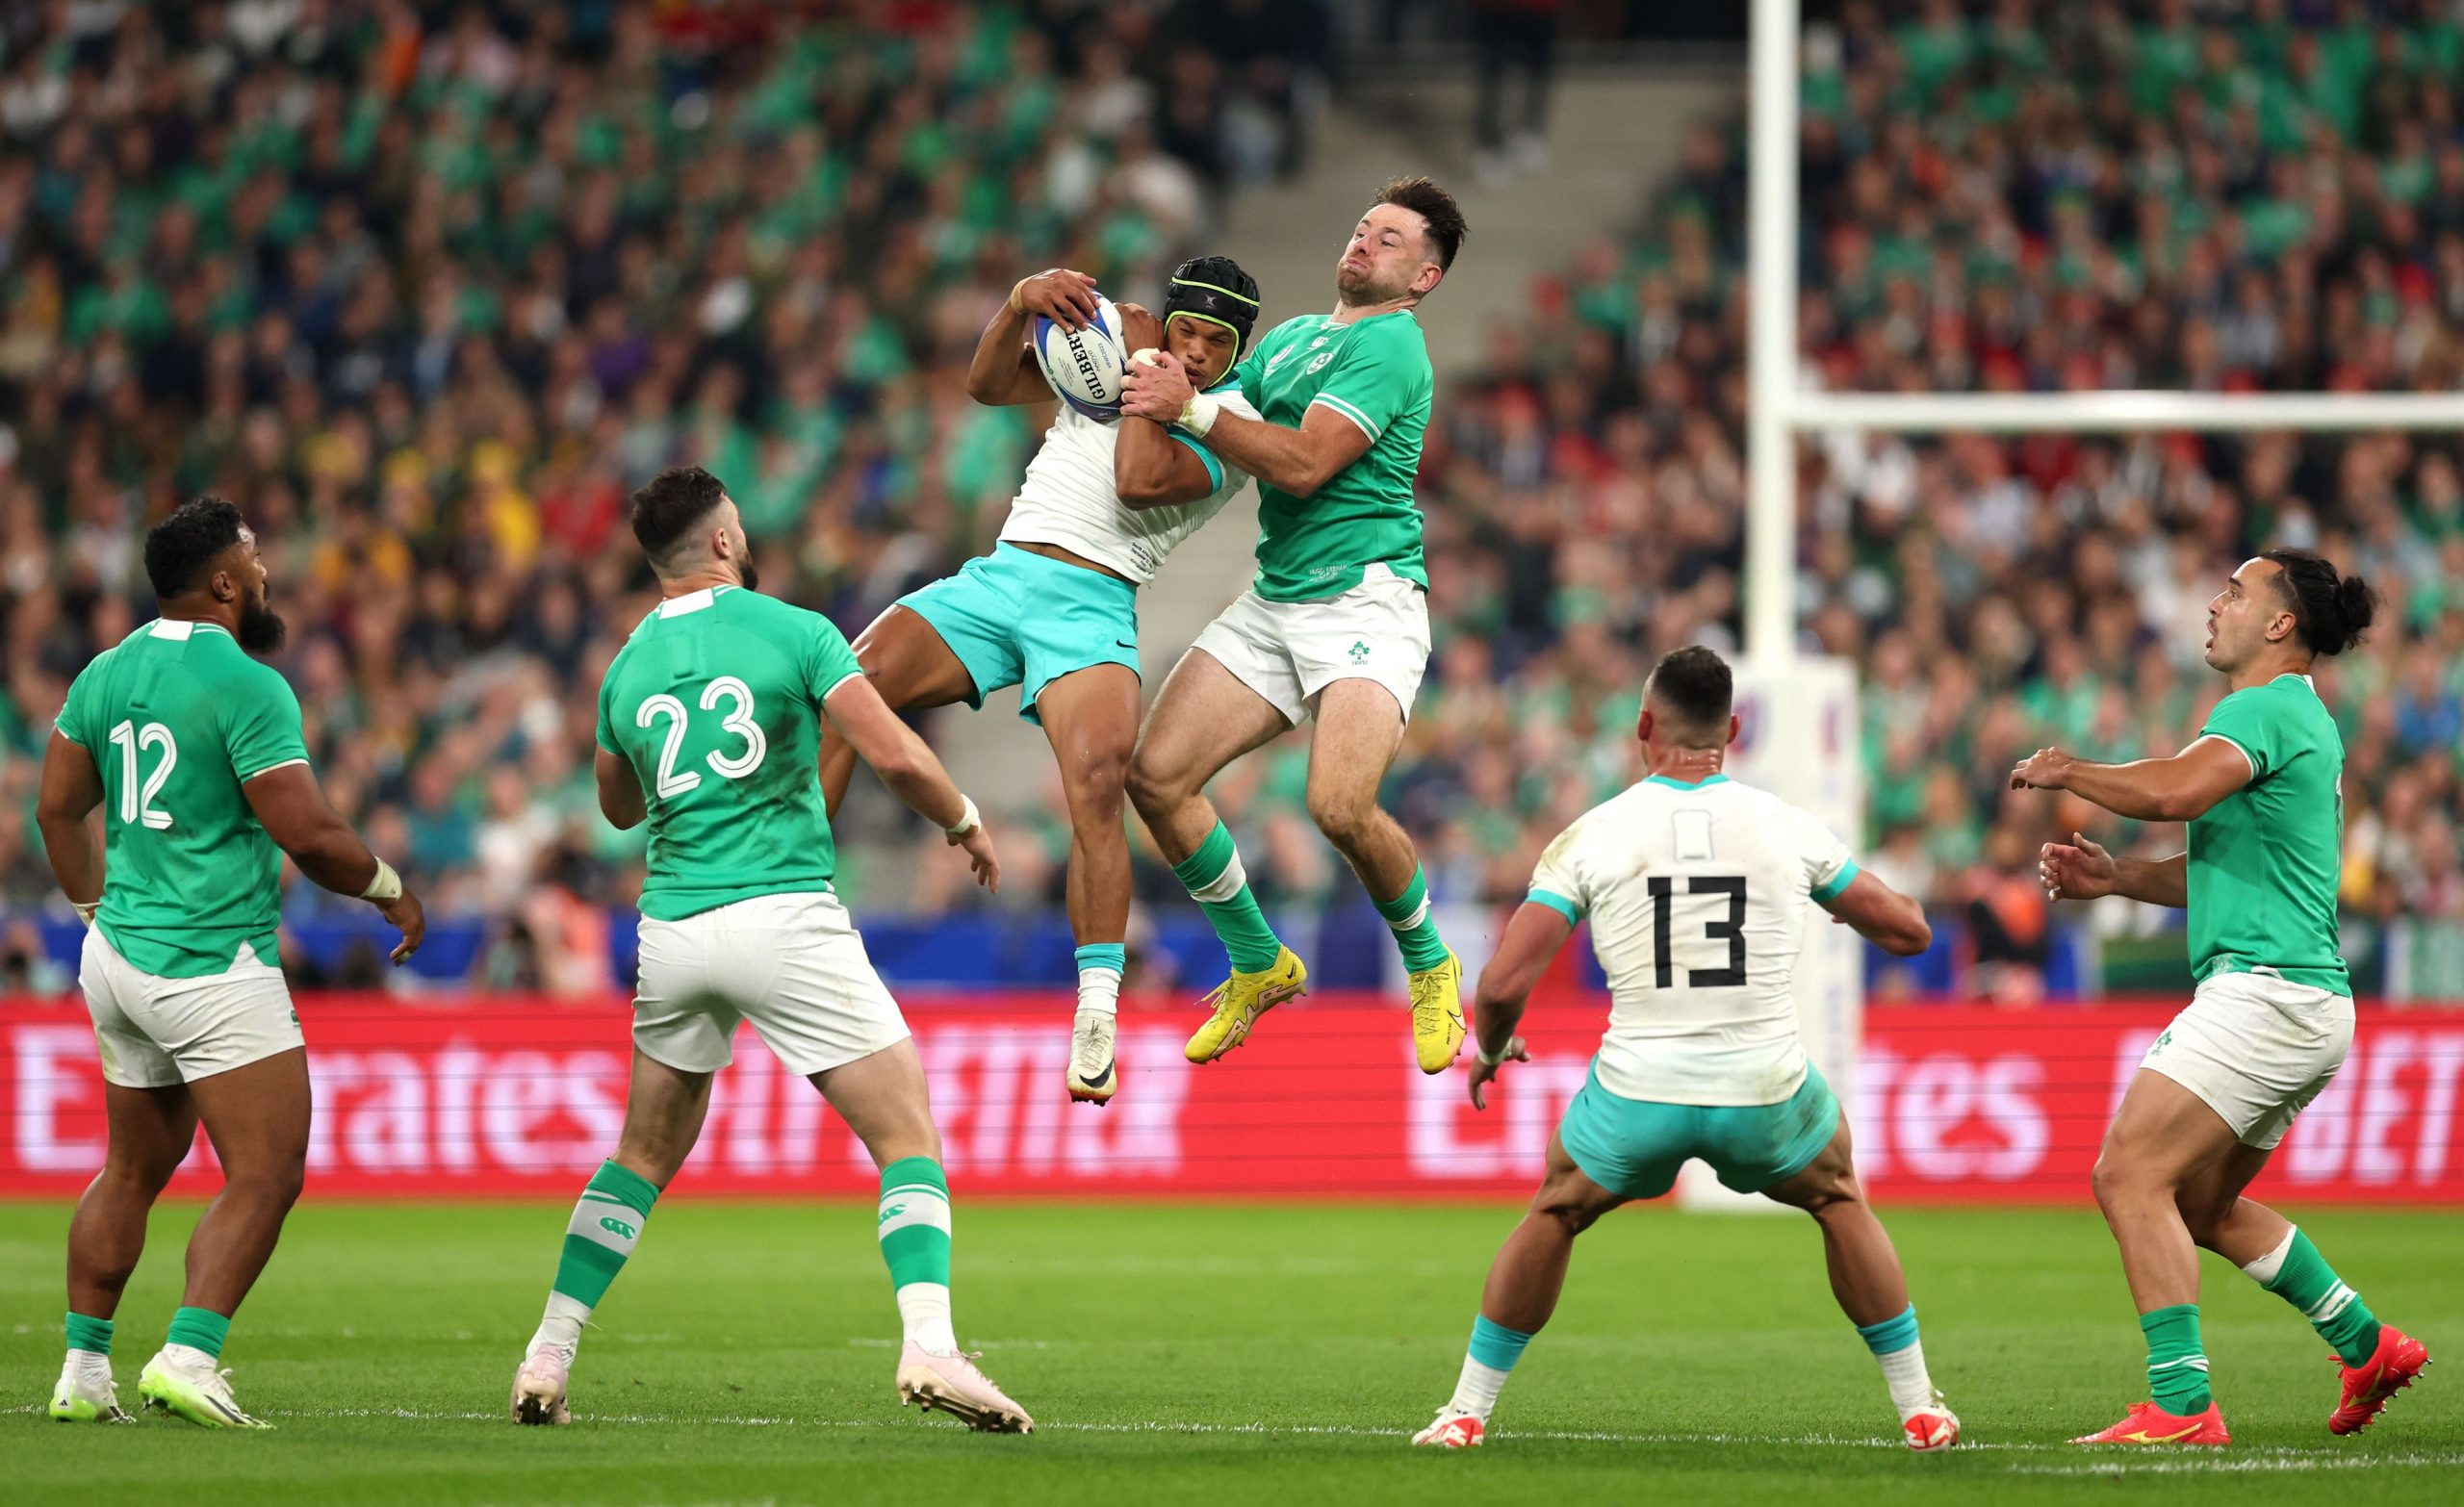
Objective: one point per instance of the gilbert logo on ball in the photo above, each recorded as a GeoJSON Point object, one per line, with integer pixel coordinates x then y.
{"type": "Point", "coordinates": [1083, 366]}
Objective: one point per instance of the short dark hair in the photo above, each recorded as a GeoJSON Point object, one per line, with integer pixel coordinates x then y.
{"type": "Point", "coordinates": [1423, 196]}
{"type": "Point", "coordinates": [2330, 610]}
{"type": "Point", "coordinates": [1693, 684]}
{"type": "Point", "coordinates": [180, 549]}
{"type": "Point", "coordinates": [672, 502]}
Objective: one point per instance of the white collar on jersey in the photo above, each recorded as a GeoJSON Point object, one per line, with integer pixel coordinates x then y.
{"type": "Point", "coordinates": [181, 629]}
{"type": "Point", "coordinates": [690, 601]}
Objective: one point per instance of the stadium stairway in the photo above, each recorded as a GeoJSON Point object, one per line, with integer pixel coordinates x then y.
{"type": "Point", "coordinates": [1614, 133]}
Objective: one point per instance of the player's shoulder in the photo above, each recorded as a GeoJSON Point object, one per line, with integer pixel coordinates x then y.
{"type": "Point", "coordinates": [1397, 332]}
{"type": "Point", "coordinates": [1297, 326]}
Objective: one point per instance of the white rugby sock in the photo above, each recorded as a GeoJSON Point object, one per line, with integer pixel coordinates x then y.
{"type": "Point", "coordinates": [924, 1313]}
{"type": "Point", "coordinates": [2264, 1271]}
{"type": "Point", "coordinates": [561, 1325]}
{"type": "Point", "coordinates": [1099, 991]}
{"type": "Point", "coordinates": [1912, 1390]}
{"type": "Point", "coordinates": [1475, 1390]}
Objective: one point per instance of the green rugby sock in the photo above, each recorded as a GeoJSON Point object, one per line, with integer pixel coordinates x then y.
{"type": "Point", "coordinates": [1407, 915]}
{"type": "Point", "coordinates": [606, 1226]}
{"type": "Point", "coordinates": [2295, 1272]}
{"type": "Point", "coordinates": [199, 1329]}
{"type": "Point", "coordinates": [915, 1243]}
{"type": "Point", "coordinates": [93, 1336]}
{"type": "Point", "coordinates": [2176, 1367]}
{"type": "Point", "coordinates": [1215, 878]}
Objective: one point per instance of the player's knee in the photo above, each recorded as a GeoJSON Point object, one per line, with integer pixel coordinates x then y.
{"type": "Point", "coordinates": [275, 1185]}
{"type": "Point", "coordinates": [1095, 779]}
{"type": "Point", "coordinates": [1153, 789]}
{"type": "Point", "coordinates": [2119, 1180]}
{"type": "Point", "coordinates": [139, 1176]}
{"type": "Point", "coordinates": [1345, 816]}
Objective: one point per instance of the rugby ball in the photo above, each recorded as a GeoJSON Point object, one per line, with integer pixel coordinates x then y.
{"type": "Point", "coordinates": [1085, 365]}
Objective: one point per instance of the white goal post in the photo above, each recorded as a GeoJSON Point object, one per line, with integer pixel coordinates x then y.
{"type": "Point", "coordinates": [1779, 408]}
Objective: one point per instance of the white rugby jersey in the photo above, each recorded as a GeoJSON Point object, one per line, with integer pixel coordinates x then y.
{"type": "Point", "coordinates": [1697, 899]}
{"type": "Point", "coordinates": [1068, 498]}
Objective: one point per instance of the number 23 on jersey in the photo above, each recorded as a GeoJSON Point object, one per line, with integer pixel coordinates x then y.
{"type": "Point", "coordinates": [739, 721]}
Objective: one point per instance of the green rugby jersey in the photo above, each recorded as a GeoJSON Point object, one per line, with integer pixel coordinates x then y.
{"type": "Point", "coordinates": [177, 717]}
{"type": "Point", "coordinates": [1375, 373]}
{"type": "Point", "coordinates": [715, 701]}
{"type": "Point", "coordinates": [2266, 861]}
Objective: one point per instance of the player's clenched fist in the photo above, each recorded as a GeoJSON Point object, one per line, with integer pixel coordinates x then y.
{"type": "Point", "coordinates": [1157, 392]}
{"type": "Point", "coordinates": [2042, 770]}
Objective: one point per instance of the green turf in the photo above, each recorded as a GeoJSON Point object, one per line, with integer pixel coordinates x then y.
{"type": "Point", "coordinates": [1224, 1354]}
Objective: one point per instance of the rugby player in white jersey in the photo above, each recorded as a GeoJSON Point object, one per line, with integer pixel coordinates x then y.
{"type": "Point", "coordinates": [1695, 889]}
{"type": "Point", "coordinates": [1053, 610]}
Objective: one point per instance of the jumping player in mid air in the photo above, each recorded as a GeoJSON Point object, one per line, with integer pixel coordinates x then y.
{"type": "Point", "coordinates": [1696, 887]}
{"type": "Point", "coordinates": [709, 730]}
{"type": "Point", "coordinates": [1336, 625]}
{"type": "Point", "coordinates": [193, 751]}
{"type": "Point", "coordinates": [2271, 1017]}
{"type": "Point", "coordinates": [1054, 609]}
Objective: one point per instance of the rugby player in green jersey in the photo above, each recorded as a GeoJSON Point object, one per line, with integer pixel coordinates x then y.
{"type": "Point", "coordinates": [193, 751]}
{"type": "Point", "coordinates": [709, 729]}
{"type": "Point", "coordinates": [1335, 627]}
{"type": "Point", "coordinates": [2272, 1016]}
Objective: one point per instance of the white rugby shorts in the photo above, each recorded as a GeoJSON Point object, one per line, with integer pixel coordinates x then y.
{"type": "Point", "coordinates": [1288, 651]}
{"type": "Point", "coordinates": [2256, 1049]}
{"type": "Point", "coordinates": [790, 964]}
{"type": "Point", "coordinates": [154, 1032]}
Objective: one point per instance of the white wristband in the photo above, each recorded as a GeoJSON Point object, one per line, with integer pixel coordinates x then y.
{"type": "Point", "coordinates": [968, 819]}
{"type": "Point", "coordinates": [1513, 1044]}
{"type": "Point", "coordinates": [85, 909]}
{"type": "Point", "coordinates": [1199, 414]}
{"type": "Point", "coordinates": [386, 885]}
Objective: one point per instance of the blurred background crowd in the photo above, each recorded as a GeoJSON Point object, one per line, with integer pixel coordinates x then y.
{"type": "Point", "coordinates": [430, 289]}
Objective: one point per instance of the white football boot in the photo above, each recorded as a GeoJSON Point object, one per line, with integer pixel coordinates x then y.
{"type": "Point", "coordinates": [87, 1394]}
{"type": "Point", "coordinates": [539, 1386]}
{"type": "Point", "coordinates": [952, 1384]}
{"type": "Point", "coordinates": [1093, 1076]}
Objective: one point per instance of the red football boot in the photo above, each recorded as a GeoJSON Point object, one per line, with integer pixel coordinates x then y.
{"type": "Point", "coordinates": [2147, 1424]}
{"type": "Point", "coordinates": [2373, 1384]}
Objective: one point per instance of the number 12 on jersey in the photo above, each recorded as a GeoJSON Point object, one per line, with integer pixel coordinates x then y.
{"type": "Point", "coordinates": [1730, 928]}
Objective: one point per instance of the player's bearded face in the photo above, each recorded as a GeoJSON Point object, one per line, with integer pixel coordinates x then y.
{"type": "Point", "coordinates": [261, 630]}
{"type": "Point", "coordinates": [745, 569]}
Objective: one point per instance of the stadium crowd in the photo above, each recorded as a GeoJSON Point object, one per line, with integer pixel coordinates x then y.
{"type": "Point", "coordinates": [428, 293]}
{"type": "Point", "coordinates": [2016, 196]}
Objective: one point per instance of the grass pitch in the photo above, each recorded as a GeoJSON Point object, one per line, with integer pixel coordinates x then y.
{"type": "Point", "coordinates": [1244, 1353]}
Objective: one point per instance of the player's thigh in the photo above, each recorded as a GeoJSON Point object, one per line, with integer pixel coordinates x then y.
{"type": "Point", "coordinates": [908, 662]}
{"type": "Point", "coordinates": [1567, 1193]}
{"type": "Point", "coordinates": [1360, 727]}
{"type": "Point", "coordinates": [2207, 1196]}
{"type": "Point", "coordinates": [883, 1099]}
{"type": "Point", "coordinates": [151, 1131]}
{"type": "Point", "coordinates": [257, 1116]}
{"type": "Point", "coordinates": [1089, 717]}
{"type": "Point", "coordinates": [664, 1110]}
{"type": "Point", "coordinates": [1203, 719]}
{"type": "Point", "coordinates": [2164, 1135]}
{"type": "Point", "coordinates": [974, 616]}
{"type": "Point", "coordinates": [1830, 1178]}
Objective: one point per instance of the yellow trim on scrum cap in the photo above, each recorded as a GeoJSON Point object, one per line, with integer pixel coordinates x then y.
{"type": "Point", "coordinates": [1191, 282]}
{"type": "Point", "coordinates": [1237, 341]}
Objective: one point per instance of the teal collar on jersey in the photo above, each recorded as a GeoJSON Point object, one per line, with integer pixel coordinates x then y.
{"type": "Point", "coordinates": [177, 629]}
{"type": "Point", "coordinates": [1679, 784]}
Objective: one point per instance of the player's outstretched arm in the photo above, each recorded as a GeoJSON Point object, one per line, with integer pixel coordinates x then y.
{"type": "Point", "coordinates": [2181, 789]}
{"type": "Point", "coordinates": [291, 807]}
{"type": "Point", "coordinates": [1882, 915]}
{"type": "Point", "coordinates": [72, 788]}
{"type": "Point", "coordinates": [1534, 934]}
{"type": "Point", "coordinates": [912, 770]}
{"type": "Point", "coordinates": [1296, 461]}
{"type": "Point", "coordinates": [1003, 374]}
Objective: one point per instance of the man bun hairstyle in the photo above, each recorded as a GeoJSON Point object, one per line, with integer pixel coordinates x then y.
{"type": "Point", "coordinates": [2330, 611]}
{"type": "Point", "coordinates": [669, 505]}
{"type": "Point", "coordinates": [1694, 686]}
{"type": "Point", "coordinates": [181, 548]}
{"type": "Point", "coordinates": [1423, 196]}
{"type": "Point", "coordinates": [1217, 290]}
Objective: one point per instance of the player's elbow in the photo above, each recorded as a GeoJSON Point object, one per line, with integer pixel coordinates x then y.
{"type": "Point", "coordinates": [1910, 933]}
{"type": "Point", "coordinates": [2179, 806]}
{"type": "Point", "coordinates": [1142, 490]}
